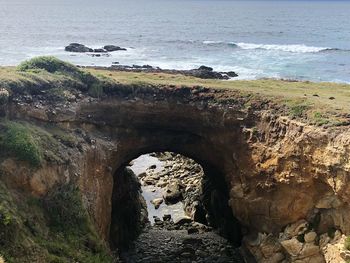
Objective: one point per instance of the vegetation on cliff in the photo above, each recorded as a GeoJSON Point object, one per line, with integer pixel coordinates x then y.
{"type": "Point", "coordinates": [17, 140]}
{"type": "Point", "coordinates": [54, 228]}
{"type": "Point", "coordinates": [32, 144]}
{"type": "Point", "coordinates": [318, 103]}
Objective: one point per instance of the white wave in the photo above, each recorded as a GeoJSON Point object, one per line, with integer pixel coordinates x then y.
{"type": "Point", "coordinates": [286, 48]}
{"type": "Point", "coordinates": [212, 42]}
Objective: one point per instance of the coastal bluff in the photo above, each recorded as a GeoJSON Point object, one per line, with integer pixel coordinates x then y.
{"type": "Point", "coordinates": [65, 132]}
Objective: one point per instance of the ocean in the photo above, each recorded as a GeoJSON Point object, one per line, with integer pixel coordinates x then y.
{"type": "Point", "coordinates": [304, 40]}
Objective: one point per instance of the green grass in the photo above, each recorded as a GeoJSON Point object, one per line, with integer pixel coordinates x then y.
{"type": "Point", "coordinates": [49, 64]}
{"type": "Point", "coordinates": [18, 140]}
{"type": "Point", "coordinates": [33, 144]}
{"type": "Point", "coordinates": [302, 99]}
{"type": "Point", "coordinates": [41, 74]}
{"type": "Point", "coordinates": [58, 67]}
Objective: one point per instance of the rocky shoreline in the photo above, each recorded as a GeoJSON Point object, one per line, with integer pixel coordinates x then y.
{"type": "Point", "coordinates": [202, 72]}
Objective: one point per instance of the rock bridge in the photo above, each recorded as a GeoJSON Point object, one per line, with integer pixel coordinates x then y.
{"type": "Point", "coordinates": [276, 172]}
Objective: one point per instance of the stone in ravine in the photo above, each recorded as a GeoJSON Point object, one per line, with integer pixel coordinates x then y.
{"type": "Point", "coordinates": [172, 193]}
{"type": "Point", "coordinates": [292, 246]}
{"type": "Point", "coordinates": [310, 237]}
{"type": "Point", "coordinates": [183, 220]}
{"type": "Point", "coordinates": [157, 202]}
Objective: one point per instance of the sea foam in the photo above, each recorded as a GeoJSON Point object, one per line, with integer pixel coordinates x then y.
{"type": "Point", "coordinates": [299, 48]}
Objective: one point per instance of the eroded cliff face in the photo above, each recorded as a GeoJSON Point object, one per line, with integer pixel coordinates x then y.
{"type": "Point", "coordinates": [287, 181]}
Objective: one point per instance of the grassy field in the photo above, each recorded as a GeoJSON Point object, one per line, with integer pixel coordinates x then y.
{"type": "Point", "coordinates": [321, 103]}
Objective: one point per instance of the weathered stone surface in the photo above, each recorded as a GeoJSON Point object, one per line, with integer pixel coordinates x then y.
{"type": "Point", "coordinates": [310, 237]}
{"type": "Point", "coordinates": [292, 246]}
{"type": "Point", "coordinates": [296, 229]}
{"type": "Point", "coordinates": [172, 193]}
{"type": "Point", "coordinates": [335, 252]}
{"type": "Point", "coordinates": [309, 250]}
{"type": "Point", "coordinates": [157, 202]}
{"type": "Point", "coordinates": [329, 201]}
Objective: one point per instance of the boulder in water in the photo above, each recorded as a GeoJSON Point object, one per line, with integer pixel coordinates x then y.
{"type": "Point", "coordinates": [111, 48]}
{"type": "Point", "coordinates": [79, 48]}
{"type": "Point", "coordinates": [157, 202]}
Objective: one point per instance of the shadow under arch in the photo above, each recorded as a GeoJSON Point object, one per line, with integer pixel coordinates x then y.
{"type": "Point", "coordinates": [127, 208]}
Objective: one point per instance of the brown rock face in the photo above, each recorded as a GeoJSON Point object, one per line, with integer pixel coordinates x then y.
{"type": "Point", "coordinates": [278, 171]}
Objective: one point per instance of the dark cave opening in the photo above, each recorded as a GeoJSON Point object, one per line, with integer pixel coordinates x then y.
{"type": "Point", "coordinates": [198, 188]}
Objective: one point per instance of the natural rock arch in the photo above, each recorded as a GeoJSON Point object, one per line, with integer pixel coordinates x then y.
{"type": "Point", "coordinates": [125, 203]}
{"type": "Point", "coordinates": [278, 171]}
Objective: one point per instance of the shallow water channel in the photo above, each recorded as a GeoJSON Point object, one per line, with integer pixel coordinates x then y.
{"type": "Point", "coordinates": [150, 192]}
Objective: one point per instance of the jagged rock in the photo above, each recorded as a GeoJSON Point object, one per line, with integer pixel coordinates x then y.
{"type": "Point", "coordinates": [309, 250]}
{"type": "Point", "coordinates": [292, 246]}
{"type": "Point", "coordinates": [296, 229]}
{"type": "Point", "coordinates": [270, 246]}
{"type": "Point", "coordinates": [334, 250]}
{"type": "Point", "coordinates": [324, 240]}
{"type": "Point", "coordinates": [157, 202]}
{"type": "Point", "coordinates": [205, 68]}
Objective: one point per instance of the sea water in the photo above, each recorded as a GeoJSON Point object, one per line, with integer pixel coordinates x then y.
{"type": "Point", "coordinates": [305, 40]}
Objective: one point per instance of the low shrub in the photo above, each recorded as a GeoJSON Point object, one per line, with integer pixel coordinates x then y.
{"type": "Point", "coordinates": [49, 64]}
{"type": "Point", "coordinates": [18, 141]}
{"type": "Point", "coordinates": [96, 90]}
{"type": "Point", "coordinates": [56, 66]}
{"type": "Point", "coordinates": [65, 209]}
{"type": "Point", "coordinates": [298, 110]}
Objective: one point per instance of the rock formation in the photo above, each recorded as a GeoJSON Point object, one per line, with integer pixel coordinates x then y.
{"type": "Point", "coordinates": [287, 180]}
{"type": "Point", "coordinates": [80, 48]}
